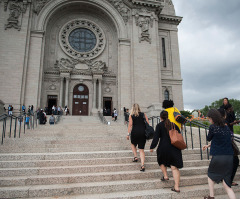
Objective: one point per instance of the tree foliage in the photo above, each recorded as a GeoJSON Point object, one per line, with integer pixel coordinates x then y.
{"type": "Point", "coordinates": [234, 102]}
{"type": "Point", "coordinates": [186, 114]}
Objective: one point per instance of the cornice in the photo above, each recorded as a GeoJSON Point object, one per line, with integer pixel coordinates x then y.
{"type": "Point", "coordinates": [149, 3]}
{"type": "Point", "coordinates": [170, 19]}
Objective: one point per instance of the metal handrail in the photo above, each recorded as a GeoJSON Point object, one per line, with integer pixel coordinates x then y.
{"type": "Point", "coordinates": [102, 118]}
{"type": "Point", "coordinates": [21, 119]}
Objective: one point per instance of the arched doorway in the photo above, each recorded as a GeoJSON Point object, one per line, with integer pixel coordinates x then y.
{"type": "Point", "coordinates": [80, 100]}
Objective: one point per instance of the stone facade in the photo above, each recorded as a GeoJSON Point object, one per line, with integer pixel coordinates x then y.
{"type": "Point", "coordinates": [121, 51]}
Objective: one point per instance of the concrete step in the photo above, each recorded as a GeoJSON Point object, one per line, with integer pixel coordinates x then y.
{"type": "Point", "coordinates": [89, 162]}
{"type": "Point", "coordinates": [193, 192]}
{"type": "Point", "coordinates": [135, 187]}
{"type": "Point", "coordinates": [107, 176]}
{"type": "Point", "coordinates": [191, 155]}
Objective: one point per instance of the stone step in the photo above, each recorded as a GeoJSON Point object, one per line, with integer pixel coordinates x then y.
{"type": "Point", "coordinates": [28, 177]}
{"type": "Point", "coordinates": [136, 186]}
{"type": "Point", "coordinates": [191, 155]}
{"type": "Point", "coordinates": [78, 169]}
{"type": "Point", "coordinates": [192, 192]}
{"type": "Point", "coordinates": [89, 162]}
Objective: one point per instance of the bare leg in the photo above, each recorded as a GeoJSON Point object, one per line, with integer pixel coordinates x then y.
{"type": "Point", "coordinates": [142, 156]}
{"type": "Point", "coordinates": [134, 150]}
{"type": "Point", "coordinates": [211, 187]}
{"type": "Point", "coordinates": [176, 176]}
{"type": "Point", "coordinates": [164, 170]}
{"type": "Point", "coordinates": [229, 191]}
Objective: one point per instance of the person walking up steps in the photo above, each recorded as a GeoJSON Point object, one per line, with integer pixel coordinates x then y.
{"type": "Point", "coordinates": [136, 129]}
{"type": "Point", "coordinates": [221, 165]}
{"type": "Point", "coordinates": [167, 154]}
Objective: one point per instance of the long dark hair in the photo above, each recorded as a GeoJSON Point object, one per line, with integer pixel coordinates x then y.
{"type": "Point", "coordinates": [164, 116]}
{"type": "Point", "coordinates": [216, 117]}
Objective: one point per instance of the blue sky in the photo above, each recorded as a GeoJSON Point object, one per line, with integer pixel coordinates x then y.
{"type": "Point", "coordinates": [209, 42]}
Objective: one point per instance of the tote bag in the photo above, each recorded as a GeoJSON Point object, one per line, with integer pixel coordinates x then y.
{"type": "Point", "coordinates": [176, 138]}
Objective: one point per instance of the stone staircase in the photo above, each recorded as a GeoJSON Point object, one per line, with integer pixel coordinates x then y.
{"type": "Point", "coordinates": [82, 158]}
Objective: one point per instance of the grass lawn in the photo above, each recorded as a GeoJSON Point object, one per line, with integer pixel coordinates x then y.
{"type": "Point", "coordinates": [236, 129]}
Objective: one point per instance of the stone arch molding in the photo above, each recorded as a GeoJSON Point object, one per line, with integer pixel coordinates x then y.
{"type": "Point", "coordinates": [53, 6]}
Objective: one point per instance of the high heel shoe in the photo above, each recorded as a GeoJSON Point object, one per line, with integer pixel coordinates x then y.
{"type": "Point", "coordinates": [142, 168]}
{"type": "Point", "coordinates": [135, 159]}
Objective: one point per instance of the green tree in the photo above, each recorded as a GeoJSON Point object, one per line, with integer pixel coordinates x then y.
{"type": "Point", "coordinates": [234, 102]}
{"type": "Point", "coordinates": [186, 113]}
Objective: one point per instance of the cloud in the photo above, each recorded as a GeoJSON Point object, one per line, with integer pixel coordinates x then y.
{"type": "Point", "coordinates": [209, 50]}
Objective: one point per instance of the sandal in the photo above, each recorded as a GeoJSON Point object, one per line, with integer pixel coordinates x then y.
{"type": "Point", "coordinates": [164, 179]}
{"type": "Point", "coordinates": [208, 197]}
{"type": "Point", "coordinates": [173, 189]}
{"type": "Point", "coordinates": [234, 184]}
{"type": "Point", "coordinates": [135, 159]}
{"type": "Point", "coordinates": [142, 168]}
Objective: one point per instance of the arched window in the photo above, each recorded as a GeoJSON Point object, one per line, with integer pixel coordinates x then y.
{"type": "Point", "coordinates": [166, 95]}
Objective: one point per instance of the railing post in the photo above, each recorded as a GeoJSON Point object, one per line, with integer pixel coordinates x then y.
{"type": "Point", "coordinates": [24, 123]}
{"type": "Point", "coordinates": [200, 142]}
{"type": "Point", "coordinates": [191, 134]}
{"type": "Point", "coordinates": [186, 135]}
{"type": "Point", "coordinates": [5, 127]}
{"type": "Point", "coordinates": [3, 132]}
{"type": "Point", "coordinates": [10, 127]}
{"type": "Point", "coordinates": [207, 144]}
{"type": "Point", "coordinates": [15, 130]}
{"type": "Point", "coordinates": [20, 125]}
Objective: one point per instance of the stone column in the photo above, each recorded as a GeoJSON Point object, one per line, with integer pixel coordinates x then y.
{"type": "Point", "coordinates": [94, 93]}
{"type": "Point", "coordinates": [66, 91]}
{"type": "Point", "coordinates": [99, 94]}
{"type": "Point", "coordinates": [61, 91]}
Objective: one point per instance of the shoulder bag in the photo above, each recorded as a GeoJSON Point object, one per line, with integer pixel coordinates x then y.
{"type": "Point", "coordinates": [149, 131]}
{"type": "Point", "coordinates": [179, 117]}
{"type": "Point", "coordinates": [176, 138]}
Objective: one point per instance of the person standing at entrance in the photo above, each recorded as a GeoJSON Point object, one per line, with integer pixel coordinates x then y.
{"type": "Point", "coordinates": [136, 129]}
{"type": "Point", "coordinates": [115, 115]}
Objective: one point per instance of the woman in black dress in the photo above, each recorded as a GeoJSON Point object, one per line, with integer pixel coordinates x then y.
{"type": "Point", "coordinates": [221, 165]}
{"type": "Point", "coordinates": [167, 154]}
{"type": "Point", "coordinates": [136, 129]}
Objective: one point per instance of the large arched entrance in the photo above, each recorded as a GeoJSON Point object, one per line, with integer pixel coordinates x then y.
{"type": "Point", "coordinates": [80, 100]}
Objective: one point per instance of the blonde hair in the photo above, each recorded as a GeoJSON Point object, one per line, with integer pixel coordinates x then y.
{"type": "Point", "coordinates": [135, 110]}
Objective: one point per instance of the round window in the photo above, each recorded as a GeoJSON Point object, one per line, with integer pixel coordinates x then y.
{"type": "Point", "coordinates": [82, 40]}
{"type": "Point", "coordinates": [81, 88]}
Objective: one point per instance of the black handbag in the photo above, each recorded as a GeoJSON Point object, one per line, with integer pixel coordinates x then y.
{"type": "Point", "coordinates": [179, 117]}
{"type": "Point", "coordinates": [149, 130]}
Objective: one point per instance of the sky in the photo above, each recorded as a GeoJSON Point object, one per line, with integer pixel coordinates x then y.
{"type": "Point", "coordinates": [209, 45]}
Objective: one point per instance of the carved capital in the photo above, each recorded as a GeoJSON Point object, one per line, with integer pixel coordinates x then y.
{"type": "Point", "coordinates": [38, 5]}
{"type": "Point", "coordinates": [16, 10]}
{"type": "Point", "coordinates": [122, 9]}
{"type": "Point", "coordinates": [144, 19]}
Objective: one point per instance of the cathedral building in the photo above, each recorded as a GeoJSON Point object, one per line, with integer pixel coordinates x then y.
{"type": "Point", "coordinates": [89, 54]}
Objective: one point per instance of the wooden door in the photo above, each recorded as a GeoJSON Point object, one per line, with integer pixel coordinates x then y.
{"type": "Point", "coordinates": [80, 100]}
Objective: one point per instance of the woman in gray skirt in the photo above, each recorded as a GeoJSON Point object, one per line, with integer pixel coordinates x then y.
{"type": "Point", "coordinates": [221, 165]}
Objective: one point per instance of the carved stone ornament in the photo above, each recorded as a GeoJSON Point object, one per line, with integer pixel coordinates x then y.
{"type": "Point", "coordinates": [38, 5]}
{"type": "Point", "coordinates": [77, 24]}
{"type": "Point", "coordinates": [122, 9]}
{"type": "Point", "coordinates": [16, 9]}
{"type": "Point", "coordinates": [69, 65]}
{"type": "Point", "coordinates": [144, 19]}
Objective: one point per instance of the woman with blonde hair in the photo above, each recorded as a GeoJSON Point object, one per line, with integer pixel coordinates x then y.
{"type": "Point", "coordinates": [136, 129]}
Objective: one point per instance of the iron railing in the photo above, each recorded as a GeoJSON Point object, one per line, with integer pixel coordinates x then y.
{"type": "Point", "coordinates": [102, 118]}
{"type": "Point", "coordinates": [18, 123]}
{"type": "Point", "coordinates": [192, 124]}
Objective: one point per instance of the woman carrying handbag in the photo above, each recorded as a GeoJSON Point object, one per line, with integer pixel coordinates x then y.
{"type": "Point", "coordinates": [136, 129]}
{"type": "Point", "coordinates": [167, 154]}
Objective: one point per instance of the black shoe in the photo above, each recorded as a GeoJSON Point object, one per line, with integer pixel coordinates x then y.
{"type": "Point", "coordinates": [135, 159]}
{"type": "Point", "coordinates": [142, 168]}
